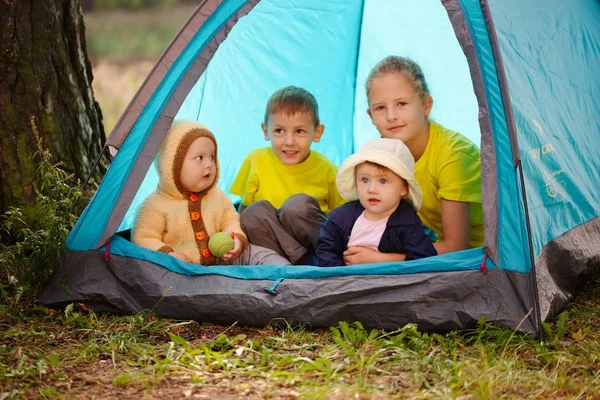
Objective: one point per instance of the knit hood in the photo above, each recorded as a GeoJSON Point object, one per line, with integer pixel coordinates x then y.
{"type": "Point", "coordinates": [180, 137]}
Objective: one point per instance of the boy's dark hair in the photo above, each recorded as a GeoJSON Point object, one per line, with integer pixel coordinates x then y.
{"type": "Point", "coordinates": [291, 100]}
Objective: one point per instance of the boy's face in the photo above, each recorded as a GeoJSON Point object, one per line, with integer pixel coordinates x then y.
{"type": "Point", "coordinates": [199, 170]}
{"type": "Point", "coordinates": [397, 110]}
{"type": "Point", "coordinates": [291, 135]}
{"type": "Point", "coordinates": [379, 190]}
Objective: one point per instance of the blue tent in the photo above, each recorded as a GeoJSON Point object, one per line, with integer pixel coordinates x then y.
{"type": "Point", "coordinates": [520, 78]}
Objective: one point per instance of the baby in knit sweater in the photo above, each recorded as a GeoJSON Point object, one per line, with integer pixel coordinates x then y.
{"type": "Point", "coordinates": [187, 207]}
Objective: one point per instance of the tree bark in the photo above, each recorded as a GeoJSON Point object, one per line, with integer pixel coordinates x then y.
{"type": "Point", "coordinates": [45, 86]}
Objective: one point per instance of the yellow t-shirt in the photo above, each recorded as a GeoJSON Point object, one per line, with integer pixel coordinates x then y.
{"type": "Point", "coordinates": [450, 169]}
{"type": "Point", "coordinates": [263, 176]}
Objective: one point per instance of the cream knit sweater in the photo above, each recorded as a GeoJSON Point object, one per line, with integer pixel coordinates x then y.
{"type": "Point", "coordinates": [171, 219]}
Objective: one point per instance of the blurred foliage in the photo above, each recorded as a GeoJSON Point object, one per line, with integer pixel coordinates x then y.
{"type": "Point", "coordinates": [33, 240]}
{"type": "Point", "coordinates": [133, 5]}
{"type": "Point", "coordinates": [126, 36]}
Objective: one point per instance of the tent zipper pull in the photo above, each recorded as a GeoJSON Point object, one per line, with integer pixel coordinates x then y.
{"type": "Point", "coordinates": [482, 267]}
{"type": "Point", "coordinates": [271, 290]}
{"type": "Point", "coordinates": [106, 251]}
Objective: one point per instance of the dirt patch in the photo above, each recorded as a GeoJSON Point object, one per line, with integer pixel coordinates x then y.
{"type": "Point", "coordinates": [97, 381]}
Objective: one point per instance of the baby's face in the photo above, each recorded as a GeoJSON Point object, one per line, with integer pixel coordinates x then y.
{"type": "Point", "coordinates": [379, 190]}
{"type": "Point", "coordinates": [199, 170]}
{"type": "Point", "coordinates": [291, 135]}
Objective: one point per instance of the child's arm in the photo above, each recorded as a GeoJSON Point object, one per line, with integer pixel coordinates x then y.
{"type": "Point", "coordinates": [456, 227]}
{"type": "Point", "coordinates": [459, 183]}
{"type": "Point", "coordinates": [416, 243]}
{"type": "Point", "coordinates": [148, 230]}
{"type": "Point", "coordinates": [238, 247]}
{"type": "Point", "coordinates": [245, 184]}
{"type": "Point", "coordinates": [230, 222]}
{"type": "Point", "coordinates": [330, 246]}
{"type": "Point", "coordinates": [364, 255]}
{"type": "Point", "coordinates": [335, 200]}
{"type": "Point", "coordinates": [149, 227]}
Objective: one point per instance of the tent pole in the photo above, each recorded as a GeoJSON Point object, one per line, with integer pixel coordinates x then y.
{"type": "Point", "coordinates": [512, 132]}
{"type": "Point", "coordinates": [93, 167]}
{"type": "Point", "coordinates": [531, 256]}
{"type": "Point", "coordinates": [89, 175]}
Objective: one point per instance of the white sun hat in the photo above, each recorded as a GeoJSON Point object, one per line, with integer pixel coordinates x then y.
{"type": "Point", "coordinates": [390, 153]}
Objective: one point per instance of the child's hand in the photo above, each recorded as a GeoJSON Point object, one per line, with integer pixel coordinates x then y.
{"type": "Point", "coordinates": [236, 251]}
{"type": "Point", "coordinates": [360, 255]}
{"type": "Point", "coordinates": [181, 256]}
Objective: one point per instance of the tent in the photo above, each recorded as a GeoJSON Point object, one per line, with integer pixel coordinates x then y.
{"type": "Point", "coordinates": [520, 78]}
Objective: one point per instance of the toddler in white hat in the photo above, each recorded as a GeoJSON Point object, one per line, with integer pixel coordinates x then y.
{"type": "Point", "coordinates": [380, 222]}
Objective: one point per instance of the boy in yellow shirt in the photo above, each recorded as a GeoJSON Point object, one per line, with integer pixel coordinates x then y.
{"type": "Point", "coordinates": [287, 189]}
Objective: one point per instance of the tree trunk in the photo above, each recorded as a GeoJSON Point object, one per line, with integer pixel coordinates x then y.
{"type": "Point", "coordinates": [45, 86]}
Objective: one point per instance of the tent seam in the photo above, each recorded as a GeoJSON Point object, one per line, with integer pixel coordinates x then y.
{"type": "Point", "coordinates": [362, 12]}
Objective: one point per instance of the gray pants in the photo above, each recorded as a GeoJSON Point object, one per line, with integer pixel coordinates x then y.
{"type": "Point", "coordinates": [257, 255]}
{"type": "Point", "coordinates": [292, 231]}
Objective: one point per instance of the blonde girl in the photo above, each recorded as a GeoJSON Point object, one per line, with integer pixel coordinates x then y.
{"type": "Point", "coordinates": [447, 164]}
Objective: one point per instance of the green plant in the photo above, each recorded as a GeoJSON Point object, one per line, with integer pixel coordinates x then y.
{"type": "Point", "coordinates": [553, 336]}
{"type": "Point", "coordinates": [33, 241]}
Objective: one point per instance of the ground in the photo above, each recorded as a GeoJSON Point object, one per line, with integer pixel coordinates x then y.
{"type": "Point", "coordinates": [74, 353]}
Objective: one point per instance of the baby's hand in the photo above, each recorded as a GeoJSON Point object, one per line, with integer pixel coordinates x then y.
{"type": "Point", "coordinates": [181, 256]}
{"type": "Point", "coordinates": [360, 255]}
{"type": "Point", "coordinates": [236, 251]}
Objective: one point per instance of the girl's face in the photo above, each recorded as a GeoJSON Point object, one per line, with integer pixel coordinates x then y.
{"type": "Point", "coordinates": [397, 110]}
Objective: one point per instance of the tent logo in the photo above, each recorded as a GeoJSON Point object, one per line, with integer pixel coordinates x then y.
{"type": "Point", "coordinates": [555, 187]}
{"type": "Point", "coordinates": [545, 149]}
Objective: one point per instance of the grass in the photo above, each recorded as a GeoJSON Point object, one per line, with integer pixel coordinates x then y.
{"type": "Point", "coordinates": [75, 353]}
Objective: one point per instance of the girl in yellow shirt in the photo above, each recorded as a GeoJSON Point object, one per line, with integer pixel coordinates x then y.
{"type": "Point", "coordinates": [447, 164]}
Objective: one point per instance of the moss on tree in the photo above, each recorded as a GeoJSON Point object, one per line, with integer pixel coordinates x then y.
{"type": "Point", "coordinates": [46, 76]}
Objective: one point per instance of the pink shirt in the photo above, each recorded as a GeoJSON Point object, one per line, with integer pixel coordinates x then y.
{"type": "Point", "coordinates": [367, 233]}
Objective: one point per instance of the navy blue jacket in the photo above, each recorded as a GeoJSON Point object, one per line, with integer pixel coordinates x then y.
{"type": "Point", "coordinates": [403, 234]}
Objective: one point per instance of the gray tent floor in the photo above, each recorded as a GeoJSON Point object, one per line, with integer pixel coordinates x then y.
{"type": "Point", "coordinates": [434, 301]}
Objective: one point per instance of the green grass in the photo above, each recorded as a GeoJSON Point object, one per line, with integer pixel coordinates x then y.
{"type": "Point", "coordinates": [125, 36]}
{"type": "Point", "coordinates": [76, 353]}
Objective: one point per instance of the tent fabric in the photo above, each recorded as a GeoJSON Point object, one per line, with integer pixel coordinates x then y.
{"type": "Point", "coordinates": [158, 73]}
{"type": "Point", "coordinates": [555, 74]}
{"type": "Point", "coordinates": [458, 261]}
{"type": "Point", "coordinates": [236, 118]}
{"type": "Point", "coordinates": [489, 190]}
{"type": "Point", "coordinates": [344, 65]}
{"type": "Point", "coordinates": [130, 165]}
{"type": "Point", "coordinates": [512, 237]}
{"type": "Point", "coordinates": [527, 75]}
{"type": "Point", "coordinates": [226, 76]}
{"type": "Point", "coordinates": [128, 285]}
{"type": "Point", "coordinates": [563, 263]}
